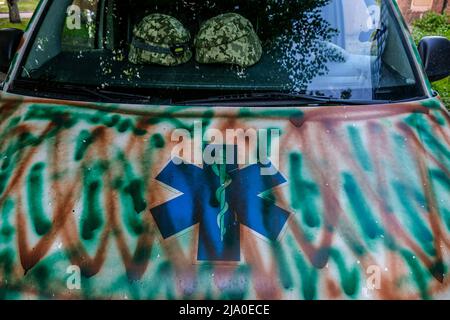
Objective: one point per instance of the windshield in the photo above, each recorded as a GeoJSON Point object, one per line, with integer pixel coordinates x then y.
{"type": "Point", "coordinates": [175, 50]}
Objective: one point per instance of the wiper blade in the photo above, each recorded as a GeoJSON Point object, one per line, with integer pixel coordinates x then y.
{"type": "Point", "coordinates": [277, 98]}
{"type": "Point", "coordinates": [115, 96]}
{"type": "Point", "coordinates": [109, 95]}
{"type": "Point", "coordinates": [128, 95]}
{"type": "Point", "coordinates": [93, 92]}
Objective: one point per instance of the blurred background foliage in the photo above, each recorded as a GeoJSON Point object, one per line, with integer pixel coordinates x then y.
{"type": "Point", "coordinates": [433, 24]}
{"type": "Point", "coordinates": [25, 6]}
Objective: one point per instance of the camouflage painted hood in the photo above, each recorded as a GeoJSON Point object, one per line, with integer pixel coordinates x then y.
{"type": "Point", "coordinates": [359, 206]}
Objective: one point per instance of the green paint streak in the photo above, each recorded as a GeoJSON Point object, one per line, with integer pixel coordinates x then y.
{"type": "Point", "coordinates": [283, 266]}
{"type": "Point", "coordinates": [357, 247]}
{"type": "Point", "coordinates": [139, 132]}
{"type": "Point", "coordinates": [358, 148]}
{"type": "Point", "coordinates": [112, 121]}
{"type": "Point", "coordinates": [91, 219]}
{"type": "Point", "coordinates": [14, 122]}
{"type": "Point", "coordinates": [124, 125]}
{"type": "Point", "coordinates": [439, 177]}
{"type": "Point", "coordinates": [35, 196]}
{"type": "Point", "coordinates": [349, 278]}
{"type": "Point", "coordinates": [6, 270]}
{"type": "Point", "coordinates": [84, 140]}
{"type": "Point", "coordinates": [442, 151]}
{"type": "Point", "coordinates": [131, 190]}
{"type": "Point", "coordinates": [434, 104]}
{"type": "Point", "coordinates": [130, 216]}
{"type": "Point", "coordinates": [135, 189]}
{"type": "Point", "coordinates": [360, 207]}
{"type": "Point", "coordinates": [439, 270]}
{"type": "Point", "coordinates": [6, 228]}
{"type": "Point", "coordinates": [419, 274]}
{"type": "Point", "coordinates": [165, 275]}
{"type": "Point", "coordinates": [5, 164]}
{"type": "Point", "coordinates": [62, 118]}
{"type": "Point", "coordinates": [95, 118]}
{"type": "Point", "coordinates": [205, 284]}
{"type": "Point", "coordinates": [440, 119]}
{"type": "Point", "coordinates": [425, 131]}
{"type": "Point", "coordinates": [321, 257]}
{"type": "Point", "coordinates": [442, 178]}
{"type": "Point", "coordinates": [142, 254]}
{"type": "Point", "coordinates": [152, 148]}
{"type": "Point", "coordinates": [41, 275]}
{"type": "Point", "coordinates": [10, 156]}
{"type": "Point", "coordinates": [7, 250]}
{"type": "Point", "coordinates": [134, 289]}
{"type": "Point", "coordinates": [4, 177]}
{"type": "Point", "coordinates": [26, 139]}
{"type": "Point", "coordinates": [303, 192]}
{"type": "Point", "coordinates": [389, 242]}
{"type": "Point", "coordinates": [13, 153]}
{"type": "Point", "coordinates": [446, 215]}
{"type": "Point", "coordinates": [308, 274]}
{"type": "Point", "coordinates": [157, 141]}
{"type": "Point", "coordinates": [237, 287]}
{"type": "Point", "coordinates": [420, 231]}
{"type": "Point", "coordinates": [207, 117]}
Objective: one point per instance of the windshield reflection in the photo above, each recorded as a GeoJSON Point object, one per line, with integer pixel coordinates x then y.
{"type": "Point", "coordinates": [333, 48]}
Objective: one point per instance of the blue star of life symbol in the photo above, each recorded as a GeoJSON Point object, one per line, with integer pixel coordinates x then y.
{"type": "Point", "coordinates": [219, 225]}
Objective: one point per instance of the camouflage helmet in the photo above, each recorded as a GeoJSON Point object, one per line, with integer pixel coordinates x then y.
{"type": "Point", "coordinates": [229, 38]}
{"type": "Point", "coordinates": [160, 39]}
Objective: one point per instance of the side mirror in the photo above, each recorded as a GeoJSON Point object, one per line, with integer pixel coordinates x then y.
{"type": "Point", "coordinates": [435, 54]}
{"type": "Point", "coordinates": [9, 43]}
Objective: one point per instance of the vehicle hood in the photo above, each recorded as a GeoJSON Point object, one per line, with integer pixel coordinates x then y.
{"type": "Point", "coordinates": [357, 206]}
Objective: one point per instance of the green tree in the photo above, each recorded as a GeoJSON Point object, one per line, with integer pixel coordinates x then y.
{"type": "Point", "coordinates": [14, 13]}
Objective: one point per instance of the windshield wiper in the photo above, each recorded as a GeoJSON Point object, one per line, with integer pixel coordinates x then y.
{"type": "Point", "coordinates": [124, 95]}
{"type": "Point", "coordinates": [276, 99]}
{"type": "Point", "coordinates": [69, 90]}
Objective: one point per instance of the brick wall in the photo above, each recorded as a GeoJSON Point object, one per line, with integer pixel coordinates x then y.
{"type": "Point", "coordinates": [413, 9]}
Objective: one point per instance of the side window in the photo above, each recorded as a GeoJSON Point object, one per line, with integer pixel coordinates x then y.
{"type": "Point", "coordinates": [396, 58]}
{"type": "Point", "coordinates": [79, 32]}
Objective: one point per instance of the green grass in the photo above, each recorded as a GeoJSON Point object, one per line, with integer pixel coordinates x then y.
{"type": "Point", "coordinates": [443, 87]}
{"type": "Point", "coordinates": [24, 5]}
{"type": "Point", "coordinates": [433, 24]}
{"type": "Point", "coordinates": [4, 23]}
